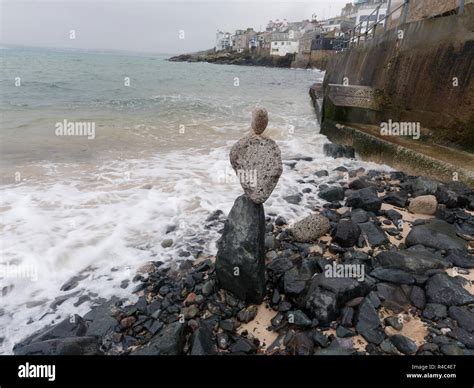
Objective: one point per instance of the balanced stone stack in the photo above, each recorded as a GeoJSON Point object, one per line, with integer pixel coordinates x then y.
{"type": "Point", "coordinates": [240, 261]}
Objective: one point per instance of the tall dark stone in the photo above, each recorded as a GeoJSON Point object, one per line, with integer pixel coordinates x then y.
{"type": "Point", "coordinates": [240, 260]}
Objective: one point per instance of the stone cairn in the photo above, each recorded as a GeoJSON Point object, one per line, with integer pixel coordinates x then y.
{"type": "Point", "coordinates": [240, 261]}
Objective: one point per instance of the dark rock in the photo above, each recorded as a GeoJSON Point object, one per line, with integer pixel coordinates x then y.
{"type": "Point", "coordinates": [463, 336]}
{"type": "Point", "coordinates": [332, 193]}
{"type": "Point", "coordinates": [417, 297]}
{"type": "Point", "coordinates": [460, 259]}
{"type": "Point", "coordinates": [404, 344]}
{"type": "Point", "coordinates": [293, 284]}
{"type": "Point", "coordinates": [346, 234]}
{"type": "Point", "coordinates": [208, 288]}
{"type": "Point", "coordinates": [275, 297]}
{"type": "Point", "coordinates": [240, 260]}
{"type": "Point", "coordinates": [338, 150]}
{"type": "Point", "coordinates": [320, 339]}
{"type": "Point", "coordinates": [394, 322]}
{"type": "Point", "coordinates": [227, 325]}
{"type": "Point", "coordinates": [322, 305]}
{"type": "Point", "coordinates": [387, 347]}
{"type": "Point", "coordinates": [293, 199]}
{"type": "Point", "coordinates": [396, 276]}
{"type": "Point", "coordinates": [280, 265]}
{"type": "Point", "coordinates": [202, 342]}
{"type": "Point", "coordinates": [215, 215]}
{"type": "Point", "coordinates": [436, 234]}
{"type": "Point", "coordinates": [374, 234]}
{"type": "Point", "coordinates": [169, 341]}
{"type": "Point", "coordinates": [298, 318]}
{"type": "Point", "coordinates": [335, 349]}
{"type": "Point", "coordinates": [73, 282]}
{"type": "Point", "coordinates": [301, 345]}
{"type": "Point", "coordinates": [359, 216]}
{"type": "Point", "coordinates": [393, 216]}
{"type": "Point", "coordinates": [435, 311]}
{"type": "Point", "coordinates": [77, 346]}
{"type": "Point", "coordinates": [243, 346]}
{"type": "Point", "coordinates": [347, 316]}
{"type": "Point", "coordinates": [247, 314]}
{"type": "Point", "coordinates": [222, 340]}
{"type": "Point", "coordinates": [463, 316]}
{"type": "Point", "coordinates": [393, 297]}
{"type": "Point", "coordinates": [366, 199]}
{"type": "Point", "coordinates": [343, 332]}
{"type": "Point", "coordinates": [368, 323]}
{"type": "Point", "coordinates": [280, 221]}
{"type": "Point", "coordinates": [398, 199]}
{"type": "Point", "coordinates": [446, 196]}
{"type": "Point", "coordinates": [452, 350]}
{"type": "Point", "coordinates": [423, 186]}
{"type": "Point", "coordinates": [74, 326]}
{"type": "Point", "coordinates": [359, 183]}
{"type": "Point", "coordinates": [446, 290]}
{"type": "Point", "coordinates": [321, 173]}
{"type": "Point", "coordinates": [411, 261]}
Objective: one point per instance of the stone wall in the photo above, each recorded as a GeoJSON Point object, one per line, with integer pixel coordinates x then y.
{"type": "Point", "coordinates": [422, 9]}
{"type": "Point", "coordinates": [414, 77]}
{"type": "Point", "coordinates": [317, 59]}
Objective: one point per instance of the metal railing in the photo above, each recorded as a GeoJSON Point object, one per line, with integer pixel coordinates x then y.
{"type": "Point", "coordinates": [356, 35]}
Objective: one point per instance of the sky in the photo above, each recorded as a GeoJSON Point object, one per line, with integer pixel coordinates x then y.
{"type": "Point", "coordinates": [144, 25]}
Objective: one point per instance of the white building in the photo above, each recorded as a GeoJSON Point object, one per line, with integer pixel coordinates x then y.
{"type": "Point", "coordinates": [369, 12]}
{"type": "Point", "coordinates": [223, 41]}
{"type": "Point", "coordinates": [282, 44]}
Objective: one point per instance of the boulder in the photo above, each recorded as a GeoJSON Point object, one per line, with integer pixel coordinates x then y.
{"type": "Point", "coordinates": [463, 316]}
{"type": "Point", "coordinates": [257, 162]}
{"type": "Point", "coordinates": [444, 289]}
{"type": "Point", "coordinates": [366, 199]}
{"type": "Point", "coordinates": [346, 234]}
{"type": "Point", "coordinates": [404, 344]}
{"type": "Point", "coordinates": [327, 295]}
{"type": "Point", "coordinates": [408, 260]}
{"type": "Point", "coordinates": [168, 341]}
{"type": "Point", "coordinates": [398, 198]}
{"type": "Point", "coordinates": [424, 204]}
{"type": "Point", "coordinates": [374, 234]}
{"type": "Point", "coordinates": [436, 234]}
{"type": "Point", "coordinates": [69, 346]}
{"type": "Point", "coordinates": [202, 342]}
{"type": "Point", "coordinates": [332, 193]}
{"type": "Point", "coordinates": [368, 323]}
{"type": "Point", "coordinates": [240, 259]}
{"type": "Point", "coordinates": [311, 228]}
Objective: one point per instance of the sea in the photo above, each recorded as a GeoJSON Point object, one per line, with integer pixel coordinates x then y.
{"type": "Point", "coordinates": [104, 155]}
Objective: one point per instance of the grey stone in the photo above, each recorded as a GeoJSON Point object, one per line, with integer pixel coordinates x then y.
{"type": "Point", "coordinates": [168, 341]}
{"type": "Point", "coordinates": [311, 228]}
{"type": "Point", "coordinates": [240, 260]}
{"type": "Point", "coordinates": [257, 162]}
{"type": "Point", "coordinates": [446, 290]}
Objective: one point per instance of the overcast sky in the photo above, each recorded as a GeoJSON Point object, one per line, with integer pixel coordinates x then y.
{"type": "Point", "coordinates": [144, 25]}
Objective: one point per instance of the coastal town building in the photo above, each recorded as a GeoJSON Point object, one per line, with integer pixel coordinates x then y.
{"type": "Point", "coordinates": [223, 41]}
{"type": "Point", "coordinates": [240, 40]}
{"type": "Point", "coordinates": [368, 14]}
{"type": "Point", "coordinates": [283, 43]}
